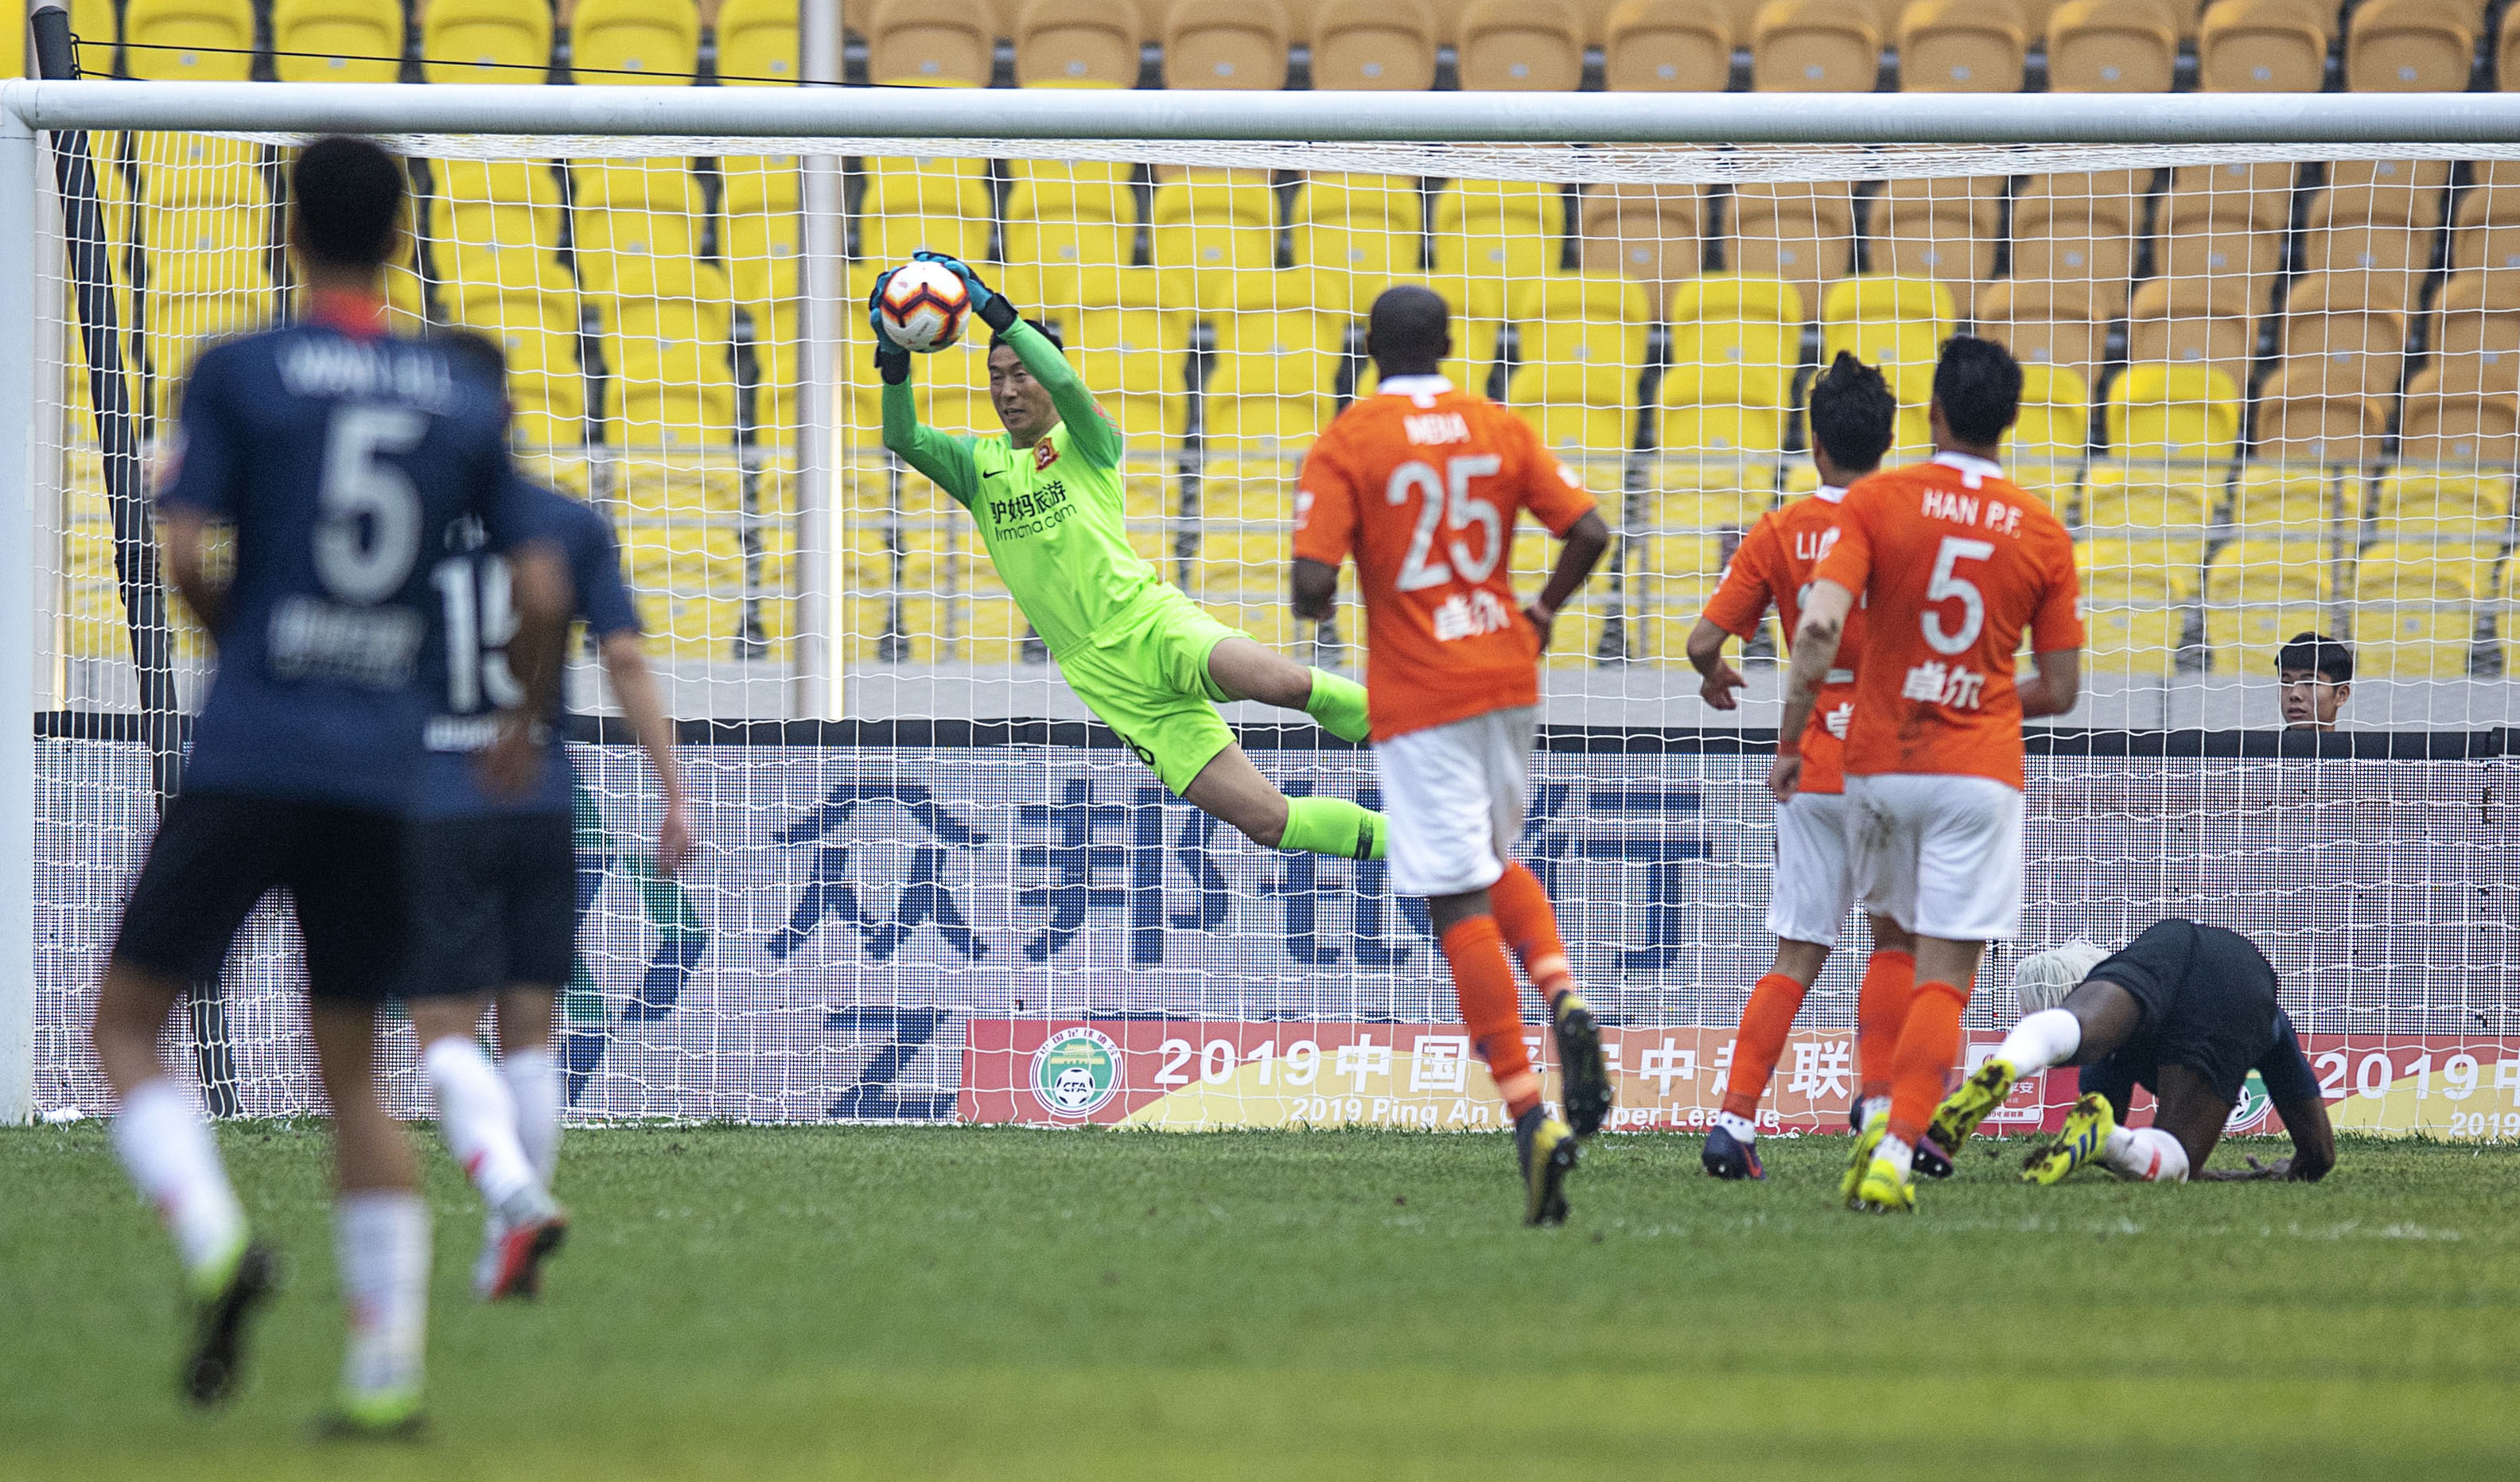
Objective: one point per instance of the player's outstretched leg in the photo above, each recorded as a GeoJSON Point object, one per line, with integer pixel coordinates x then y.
{"type": "Point", "coordinates": [1230, 789]}
{"type": "Point", "coordinates": [1529, 924]}
{"type": "Point", "coordinates": [477, 1116]}
{"type": "Point", "coordinates": [1238, 668]}
{"type": "Point", "coordinates": [165, 1146]}
{"type": "Point", "coordinates": [2085, 1137]}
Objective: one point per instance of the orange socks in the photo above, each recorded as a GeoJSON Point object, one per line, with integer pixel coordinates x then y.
{"type": "Point", "coordinates": [1484, 982]}
{"type": "Point", "coordinates": [1929, 1045]}
{"type": "Point", "coordinates": [1881, 1009]}
{"type": "Point", "coordinates": [1774, 1002]}
{"type": "Point", "coordinates": [1523, 913]}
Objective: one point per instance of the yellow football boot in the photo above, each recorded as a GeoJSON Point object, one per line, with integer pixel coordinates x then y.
{"type": "Point", "coordinates": [1884, 1190]}
{"type": "Point", "coordinates": [1862, 1158]}
{"type": "Point", "coordinates": [1549, 1149]}
{"type": "Point", "coordinates": [1978, 1097]}
{"type": "Point", "coordinates": [2086, 1134]}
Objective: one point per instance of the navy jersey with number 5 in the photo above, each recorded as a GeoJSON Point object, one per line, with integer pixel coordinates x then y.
{"type": "Point", "coordinates": [466, 666]}
{"type": "Point", "coordinates": [344, 455]}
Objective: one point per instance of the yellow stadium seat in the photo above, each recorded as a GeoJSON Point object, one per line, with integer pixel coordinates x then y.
{"type": "Point", "coordinates": [2391, 192]}
{"type": "Point", "coordinates": [545, 380]}
{"type": "Point", "coordinates": [2045, 449]}
{"type": "Point", "coordinates": [1714, 417]}
{"type": "Point", "coordinates": [2414, 613]}
{"type": "Point", "coordinates": [2138, 571]}
{"type": "Point", "coordinates": [2261, 46]}
{"type": "Point", "coordinates": [1739, 321]}
{"type": "Point", "coordinates": [911, 43]}
{"type": "Point", "coordinates": [2105, 46]}
{"type": "Point", "coordinates": [1521, 46]}
{"type": "Point", "coordinates": [1135, 361]}
{"type": "Point", "coordinates": [626, 43]}
{"type": "Point", "coordinates": [189, 40]}
{"type": "Point", "coordinates": [1354, 234]}
{"type": "Point", "coordinates": [1942, 229]}
{"type": "Point", "coordinates": [2456, 426]}
{"type": "Point", "coordinates": [494, 222]}
{"type": "Point", "coordinates": [777, 338]}
{"type": "Point", "coordinates": [1815, 46]}
{"type": "Point", "coordinates": [2410, 46]}
{"type": "Point", "coordinates": [2046, 324]}
{"type": "Point", "coordinates": [218, 250]}
{"type": "Point", "coordinates": [695, 593]}
{"type": "Point", "coordinates": [1804, 233]}
{"type": "Point", "coordinates": [1373, 45]}
{"type": "Point", "coordinates": [1492, 235]}
{"type": "Point", "coordinates": [1225, 44]}
{"type": "Point", "coordinates": [1652, 233]}
{"type": "Point", "coordinates": [2275, 501]}
{"type": "Point", "coordinates": [1062, 219]}
{"type": "Point", "coordinates": [2077, 231]}
{"type": "Point", "coordinates": [1960, 46]}
{"type": "Point", "coordinates": [1668, 45]}
{"type": "Point", "coordinates": [1271, 387]}
{"type": "Point", "coordinates": [2437, 497]}
{"type": "Point", "coordinates": [1209, 228]}
{"type": "Point", "coordinates": [2201, 325]}
{"type": "Point", "coordinates": [2339, 345]}
{"type": "Point", "coordinates": [1077, 43]}
{"type": "Point", "coordinates": [761, 233]}
{"type": "Point", "coordinates": [756, 43]}
{"type": "Point", "coordinates": [911, 204]}
{"type": "Point", "coordinates": [2301, 419]}
{"type": "Point", "coordinates": [2246, 197]}
{"type": "Point", "coordinates": [2258, 594]}
{"type": "Point", "coordinates": [193, 171]}
{"type": "Point", "coordinates": [337, 40]}
{"type": "Point", "coordinates": [2124, 501]}
{"type": "Point", "coordinates": [96, 28]}
{"type": "Point", "coordinates": [1583, 343]}
{"type": "Point", "coordinates": [2377, 264]}
{"type": "Point", "coordinates": [2245, 639]}
{"type": "Point", "coordinates": [1897, 324]}
{"type": "Point", "coordinates": [494, 41]}
{"type": "Point", "coordinates": [2169, 413]}
{"type": "Point", "coordinates": [2128, 640]}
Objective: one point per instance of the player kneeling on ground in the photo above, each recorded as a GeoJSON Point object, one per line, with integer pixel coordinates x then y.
{"type": "Point", "coordinates": [2185, 1011]}
{"type": "Point", "coordinates": [1423, 483]}
{"type": "Point", "coordinates": [1046, 499]}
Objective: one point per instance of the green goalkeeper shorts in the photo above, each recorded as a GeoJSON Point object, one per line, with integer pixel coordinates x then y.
{"type": "Point", "coordinates": [1145, 675]}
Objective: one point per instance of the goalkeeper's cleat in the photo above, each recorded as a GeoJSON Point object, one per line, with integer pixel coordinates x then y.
{"type": "Point", "coordinates": [1584, 1072]}
{"type": "Point", "coordinates": [1728, 1157]}
{"type": "Point", "coordinates": [2086, 1132]}
{"type": "Point", "coordinates": [1549, 1149]}
{"type": "Point", "coordinates": [222, 1306]}
{"type": "Point", "coordinates": [1861, 1157]}
{"type": "Point", "coordinates": [522, 1248]}
{"type": "Point", "coordinates": [1884, 1190]}
{"type": "Point", "coordinates": [1978, 1096]}
{"type": "Point", "coordinates": [1931, 1161]}
{"type": "Point", "coordinates": [385, 1414]}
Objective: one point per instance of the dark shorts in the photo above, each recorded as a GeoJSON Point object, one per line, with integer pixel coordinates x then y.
{"type": "Point", "coordinates": [217, 854]}
{"type": "Point", "coordinates": [494, 904]}
{"type": "Point", "coordinates": [2208, 1004]}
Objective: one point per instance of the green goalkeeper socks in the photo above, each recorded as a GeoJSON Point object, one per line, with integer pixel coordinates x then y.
{"type": "Point", "coordinates": [1333, 825]}
{"type": "Point", "coordinates": [1339, 706]}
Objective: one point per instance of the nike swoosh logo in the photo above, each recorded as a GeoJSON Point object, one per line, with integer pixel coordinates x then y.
{"type": "Point", "coordinates": [995, 474]}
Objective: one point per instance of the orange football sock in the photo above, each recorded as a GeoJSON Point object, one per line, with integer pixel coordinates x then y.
{"type": "Point", "coordinates": [1527, 920]}
{"type": "Point", "coordinates": [1929, 1045]}
{"type": "Point", "coordinates": [1484, 982]}
{"type": "Point", "coordinates": [1880, 1008]}
{"type": "Point", "coordinates": [1774, 1002]}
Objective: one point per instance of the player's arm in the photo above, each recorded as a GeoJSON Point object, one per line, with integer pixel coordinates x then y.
{"type": "Point", "coordinates": [2293, 1087]}
{"type": "Point", "coordinates": [1325, 529]}
{"type": "Point", "coordinates": [1090, 435]}
{"type": "Point", "coordinates": [945, 459]}
{"type": "Point", "coordinates": [1815, 639]}
{"type": "Point", "coordinates": [185, 532]}
{"type": "Point", "coordinates": [634, 685]}
{"type": "Point", "coordinates": [2056, 643]}
{"type": "Point", "coordinates": [1579, 552]}
{"type": "Point", "coordinates": [1740, 600]}
{"type": "Point", "coordinates": [2055, 688]}
{"type": "Point", "coordinates": [198, 484]}
{"type": "Point", "coordinates": [545, 599]}
{"type": "Point", "coordinates": [1558, 500]}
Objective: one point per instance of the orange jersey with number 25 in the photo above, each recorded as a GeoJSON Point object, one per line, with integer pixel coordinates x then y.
{"type": "Point", "coordinates": [1423, 483]}
{"type": "Point", "coordinates": [1952, 563]}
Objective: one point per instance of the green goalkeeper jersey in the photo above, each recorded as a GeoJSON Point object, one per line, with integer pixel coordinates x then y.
{"type": "Point", "coordinates": [1051, 513]}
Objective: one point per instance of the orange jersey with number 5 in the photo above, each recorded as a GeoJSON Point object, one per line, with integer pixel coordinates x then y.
{"type": "Point", "coordinates": [1952, 564]}
{"type": "Point", "coordinates": [1774, 564]}
{"type": "Point", "coordinates": [1422, 484]}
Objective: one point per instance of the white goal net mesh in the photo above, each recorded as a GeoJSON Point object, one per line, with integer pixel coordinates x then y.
{"type": "Point", "coordinates": [2273, 391]}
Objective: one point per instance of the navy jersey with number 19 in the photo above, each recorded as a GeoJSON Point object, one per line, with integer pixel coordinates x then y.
{"type": "Point", "coordinates": [344, 457]}
{"type": "Point", "coordinates": [467, 679]}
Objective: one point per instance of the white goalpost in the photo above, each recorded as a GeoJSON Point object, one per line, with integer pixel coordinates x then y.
{"type": "Point", "coordinates": [2272, 345]}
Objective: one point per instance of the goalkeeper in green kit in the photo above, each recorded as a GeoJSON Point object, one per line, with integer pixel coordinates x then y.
{"type": "Point", "coordinates": [1047, 500]}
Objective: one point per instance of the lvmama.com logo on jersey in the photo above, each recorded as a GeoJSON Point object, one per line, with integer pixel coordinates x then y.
{"type": "Point", "coordinates": [1075, 1072]}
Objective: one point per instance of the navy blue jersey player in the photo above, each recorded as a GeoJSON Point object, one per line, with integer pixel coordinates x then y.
{"type": "Point", "coordinates": [343, 457]}
{"type": "Point", "coordinates": [495, 878]}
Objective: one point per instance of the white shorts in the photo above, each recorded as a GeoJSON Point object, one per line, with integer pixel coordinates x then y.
{"type": "Point", "coordinates": [1454, 796]}
{"type": "Point", "coordinates": [1940, 855]}
{"type": "Point", "coordinates": [1815, 881]}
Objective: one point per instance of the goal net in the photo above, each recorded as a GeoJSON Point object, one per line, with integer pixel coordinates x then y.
{"type": "Point", "coordinates": [2272, 388]}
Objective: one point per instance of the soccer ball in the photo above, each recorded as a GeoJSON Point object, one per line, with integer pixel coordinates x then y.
{"type": "Point", "coordinates": [923, 307]}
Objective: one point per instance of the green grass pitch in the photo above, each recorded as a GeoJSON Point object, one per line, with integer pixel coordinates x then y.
{"type": "Point", "coordinates": [963, 1303]}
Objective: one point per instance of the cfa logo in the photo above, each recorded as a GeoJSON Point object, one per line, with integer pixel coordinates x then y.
{"type": "Point", "coordinates": [2250, 1109]}
{"type": "Point", "coordinates": [1075, 1073]}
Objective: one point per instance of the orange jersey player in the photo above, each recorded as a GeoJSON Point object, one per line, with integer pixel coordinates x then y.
{"type": "Point", "coordinates": [1423, 483]}
{"type": "Point", "coordinates": [1954, 565]}
{"type": "Point", "coordinates": [1852, 415]}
